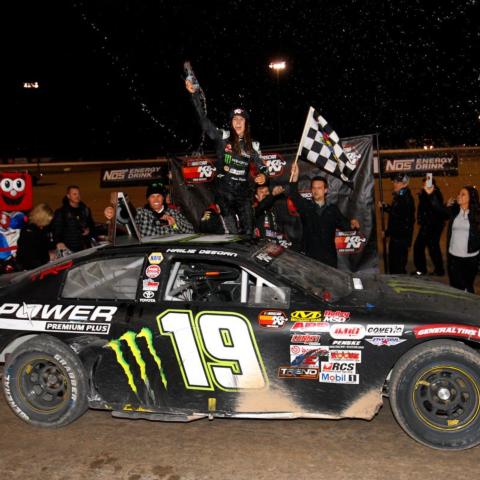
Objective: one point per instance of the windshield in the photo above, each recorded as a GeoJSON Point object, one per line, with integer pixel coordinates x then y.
{"type": "Point", "coordinates": [305, 272]}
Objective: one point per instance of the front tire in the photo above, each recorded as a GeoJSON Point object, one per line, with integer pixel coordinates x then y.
{"type": "Point", "coordinates": [435, 394]}
{"type": "Point", "coordinates": [45, 382]}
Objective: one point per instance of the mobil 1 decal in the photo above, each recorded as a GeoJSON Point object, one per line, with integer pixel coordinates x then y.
{"type": "Point", "coordinates": [214, 350]}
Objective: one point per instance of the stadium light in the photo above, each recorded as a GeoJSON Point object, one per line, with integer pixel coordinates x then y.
{"type": "Point", "coordinates": [278, 66]}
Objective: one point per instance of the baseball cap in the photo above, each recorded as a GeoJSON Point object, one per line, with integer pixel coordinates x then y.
{"type": "Point", "coordinates": [240, 111]}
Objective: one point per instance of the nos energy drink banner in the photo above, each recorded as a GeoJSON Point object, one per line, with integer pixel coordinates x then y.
{"type": "Point", "coordinates": [193, 190]}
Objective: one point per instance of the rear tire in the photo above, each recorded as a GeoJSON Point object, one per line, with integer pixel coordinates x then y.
{"type": "Point", "coordinates": [435, 394]}
{"type": "Point", "coordinates": [45, 382]}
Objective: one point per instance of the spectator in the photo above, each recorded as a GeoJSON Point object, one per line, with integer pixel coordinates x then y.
{"type": "Point", "coordinates": [35, 245]}
{"type": "Point", "coordinates": [266, 225]}
{"type": "Point", "coordinates": [156, 219]}
{"type": "Point", "coordinates": [73, 224]}
{"type": "Point", "coordinates": [431, 218]}
{"type": "Point", "coordinates": [320, 219]}
{"type": "Point", "coordinates": [400, 224]}
{"type": "Point", "coordinates": [463, 239]}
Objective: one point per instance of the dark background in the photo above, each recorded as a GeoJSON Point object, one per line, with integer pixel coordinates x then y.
{"type": "Point", "coordinates": [110, 72]}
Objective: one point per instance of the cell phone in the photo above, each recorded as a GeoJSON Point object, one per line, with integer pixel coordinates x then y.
{"type": "Point", "coordinates": [429, 182]}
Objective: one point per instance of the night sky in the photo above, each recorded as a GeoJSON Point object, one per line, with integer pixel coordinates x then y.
{"type": "Point", "coordinates": [110, 72]}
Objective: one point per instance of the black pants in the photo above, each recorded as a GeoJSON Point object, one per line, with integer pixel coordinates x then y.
{"type": "Point", "coordinates": [462, 272]}
{"type": "Point", "coordinates": [397, 255]}
{"type": "Point", "coordinates": [428, 238]}
{"type": "Point", "coordinates": [232, 200]}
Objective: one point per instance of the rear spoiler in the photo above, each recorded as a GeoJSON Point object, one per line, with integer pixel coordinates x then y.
{"type": "Point", "coordinates": [123, 222]}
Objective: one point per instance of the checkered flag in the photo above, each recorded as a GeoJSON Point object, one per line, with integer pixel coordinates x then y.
{"type": "Point", "coordinates": [320, 145]}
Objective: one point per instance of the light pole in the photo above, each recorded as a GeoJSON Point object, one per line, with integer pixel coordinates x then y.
{"type": "Point", "coordinates": [278, 67]}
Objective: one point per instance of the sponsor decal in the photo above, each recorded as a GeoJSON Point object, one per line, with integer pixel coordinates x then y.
{"type": "Point", "coordinates": [301, 315]}
{"type": "Point", "coordinates": [275, 164]}
{"type": "Point", "coordinates": [155, 258]}
{"type": "Point", "coordinates": [336, 316]}
{"type": "Point", "coordinates": [385, 341]}
{"type": "Point", "coordinates": [269, 252]}
{"type": "Point", "coordinates": [345, 378]}
{"type": "Point", "coordinates": [139, 175]}
{"type": "Point", "coordinates": [349, 242]}
{"type": "Point", "coordinates": [198, 170]}
{"type": "Point", "coordinates": [135, 342]}
{"type": "Point", "coordinates": [150, 285]}
{"type": "Point", "coordinates": [304, 373]}
{"type": "Point", "coordinates": [272, 318]}
{"type": "Point", "coordinates": [153, 271]}
{"type": "Point", "coordinates": [407, 285]}
{"type": "Point", "coordinates": [421, 164]}
{"type": "Point", "coordinates": [305, 338]}
{"type": "Point", "coordinates": [89, 319]}
{"type": "Point", "coordinates": [440, 330]}
{"type": "Point", "coordinates": [310, 327]}
{"type": "Point", "coordinates": [346, 343]}
{"type": "Point", "coordinates": [148, 294]}
{"type": "Point", "coordinates": [384, 330]}
{"type": "Point", "coordinates": [347, 367]}
{"type": "Point", "coordinates": [306, 355]}
{"type": "Point", "coordinates": [345, 356]}
{"type": "Point", "coordinates": [52, 271]}
{"type": "Point", "coordinates": [341, 332]}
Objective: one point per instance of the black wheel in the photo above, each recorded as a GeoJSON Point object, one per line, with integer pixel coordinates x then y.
{"type": "Point", "coordinates": [435, 394]}
{"type": "Point", "coordinates": [45, 383]}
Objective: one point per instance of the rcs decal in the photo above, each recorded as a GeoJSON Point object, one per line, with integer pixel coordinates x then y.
{"type": "Point", "coordinates": [213, 350]}
{"type": "Point", "coordinates": [15, 192]}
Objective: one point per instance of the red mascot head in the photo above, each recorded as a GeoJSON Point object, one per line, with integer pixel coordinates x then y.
{"type": "Point", "coordinates": [15, 192]}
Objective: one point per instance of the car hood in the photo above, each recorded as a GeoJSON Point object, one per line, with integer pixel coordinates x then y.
{"type": "Point", "coordinates": [409, 294]}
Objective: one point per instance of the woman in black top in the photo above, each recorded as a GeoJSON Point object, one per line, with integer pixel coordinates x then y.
{"type": "Point", "coordinates": [35, 243]}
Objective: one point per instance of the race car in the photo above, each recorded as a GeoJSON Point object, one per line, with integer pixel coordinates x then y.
{"type": "Point", "coordinates": [184, 327]}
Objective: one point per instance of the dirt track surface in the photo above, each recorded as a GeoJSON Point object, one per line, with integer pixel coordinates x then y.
{"type": "Point", "coordinates": [99, 447]}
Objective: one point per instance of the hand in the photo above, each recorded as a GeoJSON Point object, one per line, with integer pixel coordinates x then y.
{"type": "Point", "coordinates": [277, 190]}
{"type": "Point", "coordinates": [450, 202]}
{"type": "Point", "coordinates": [109, 212]}
{"type": "Point", "coordinates": [295, 172]}
{"type": "Point", "coordinates": [61, 246]}
{"type": "Point", "coordinates": [189, 86]}
{"type": "Point", "coordinates": [171, 221]}
{"type": "Point", "coordinates": [85, 231]}
{"type": "Point", "coordinates": [354, 224]}
{"type": "Point", "coordinates": [260, 179]}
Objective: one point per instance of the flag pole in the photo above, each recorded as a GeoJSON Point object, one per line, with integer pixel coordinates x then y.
{"type": "Point", "coordinates": [382, 216]}
{"type": "Point", "coordinates": [310, 112]}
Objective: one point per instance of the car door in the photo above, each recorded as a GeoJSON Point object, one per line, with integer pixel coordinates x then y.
{"type": "Point", "coordinates": [212, 316]}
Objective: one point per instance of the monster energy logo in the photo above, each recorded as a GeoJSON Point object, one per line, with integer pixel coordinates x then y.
{"type": "Point", "coordinates": [227, 158]}
{"type": "Point", "coordinates": [131, 339]}
{"type": "Point", "coordinates": [415, 286]}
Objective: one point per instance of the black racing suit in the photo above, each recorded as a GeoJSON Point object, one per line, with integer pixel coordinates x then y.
{"type": "Point", "coordinates": [233, 184]}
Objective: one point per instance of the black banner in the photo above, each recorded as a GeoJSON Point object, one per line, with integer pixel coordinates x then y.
{"type": "Point", "coordinates": [132, 176]}
{"type": "Point", "coordinates": [192, 183]}
{"type": "Point", "coordinates": [420, 164]}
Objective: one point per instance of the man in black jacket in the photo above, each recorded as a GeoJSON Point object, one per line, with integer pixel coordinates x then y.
{"type": "Point", "coordinates": [72, 223]}
{"type": "Point", "coordinates": [431, 218]}
{"type": "Point", "coordinates": [320, 219]}
{"type": "Point", "coordinates": [401, 218]}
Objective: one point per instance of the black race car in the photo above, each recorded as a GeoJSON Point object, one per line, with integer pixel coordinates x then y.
{"type": "Point", "coordinates": [185, 327]}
